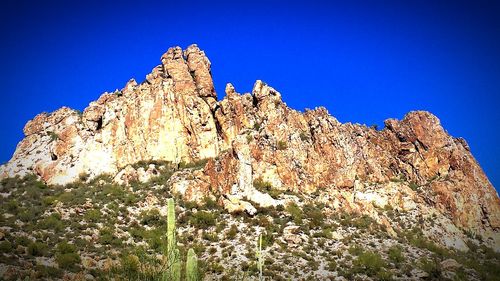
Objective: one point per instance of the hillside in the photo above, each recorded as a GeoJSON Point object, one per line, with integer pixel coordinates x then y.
{"type": "Point", "coordinates": [84, 195]}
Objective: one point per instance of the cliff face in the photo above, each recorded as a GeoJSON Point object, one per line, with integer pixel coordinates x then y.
{"type": "Point", "coordinates": [174, 116]}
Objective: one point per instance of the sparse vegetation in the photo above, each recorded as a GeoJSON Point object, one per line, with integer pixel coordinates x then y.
{"type": "Point", "coordinates": [282, 145]}
{"type": "Point", "coordinates": [126, 227]}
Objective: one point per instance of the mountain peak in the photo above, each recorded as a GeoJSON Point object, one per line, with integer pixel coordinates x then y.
{"type": "Point", "coordinates": [174, 116]}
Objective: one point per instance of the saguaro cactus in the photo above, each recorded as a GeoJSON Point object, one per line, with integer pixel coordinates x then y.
{"type": "Point", "coordinates": [176, 266]}
{"type": "Point", "coordinates": [171, 241]}
{"type": "Point", "coordinates": [191, 266]}
{"type": "Point", "coordinates": [173, 272]}
{"type": "Point", "coordinates": [171, 252]}
{"type": "Point", "coordinates": [260, 257]}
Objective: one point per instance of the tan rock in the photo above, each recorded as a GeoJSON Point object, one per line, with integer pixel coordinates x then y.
{"type": "Point", "coordinates": [291, 235]}
{"type": "Point", "coordinates": [174, 116]}
{"type": "Point", "coordinates": [233, 204]}
{"type": "Point", "coordinates": [88, 262]}
{"type": "Point", "coordinates": [450, 265]}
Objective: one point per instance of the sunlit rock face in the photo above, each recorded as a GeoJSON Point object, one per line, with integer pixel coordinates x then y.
{"type": "Point", "coordinates": [167, 117]}
{"type": "Point", "coordinates": [174, 116]}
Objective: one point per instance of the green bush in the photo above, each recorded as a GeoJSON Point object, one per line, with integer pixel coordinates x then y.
{"type": "Point", "coordinates": [67, 256]}
{"type": "Point", "coordinates": [256, 126]}
{"type": "Point", "coordinates": [23, 240]}
{"type": "Point", "coordinates": [414, 186]}
{"type": "Point", "coordinates": [53, 136]}
{"type": "Point", "coordinates": [209, 203]}
{"type": "Point", "coordinates": [199, 164]}
{"type": "Point", "coordinates": [93, 215]}
{"type": "Point", "coordinates": [231, 233]}
{"type": "Point", "coordinates": [5, 247]}
{"type": "Point", "coordinates": [12, 205]}
{"type": "Point", "coordinates": [315, 215]}
{"type": "Point", "coordinates": [369, 263]}
{"type": "Point", "coordinates": [282, 145]}
{"type": "Point", "coordinates": [65, 248]}
{"type": "Point", "coordinates": [266, 187]}
{"type": "Point", "coordinates": [130, 265]}
{"type": "Point", "coordinates": [37, 249]}
{"type": "Point", "coordinates": [52, 222]}
{"type": "Point", "coordinates": [47, 272]}
{"type": "Point", "coordinates": [303, 136]}
{"type": "Point", "coordinates": [267, 239]}
{"type": "Point", "coordinates": [68, 261]}
{"type": "Point", "coordinates": [395, 255]}
{"type": "Point", "coordinates": [107, 237]}
{"type": "Point", "coordinates": [152, 218]}
{"type": "Point", "coordinates": [295, 212]}
{"type": "Point", "coordinates": [356, 250]}
{"type": "Point", "coordinates": [202, 219]}
{"type": "Point", "coordinates": [432, 267]}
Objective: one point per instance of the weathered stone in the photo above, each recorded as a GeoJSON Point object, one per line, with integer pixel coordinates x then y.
{"type": "Point", "coordinates": [411, 165]}
{"type": "Point", "coordinates": [291, 235]}
{"type": "Point", "coordinates": [450, 264]}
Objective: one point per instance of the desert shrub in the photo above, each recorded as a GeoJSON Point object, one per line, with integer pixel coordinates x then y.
{"type": "Point", "coordinates": [202, 219]}
{"type": "Point", "coordinates": [431, 267]}
{"type": "Point", "coordinates": [417, 239]}
{"type": "Point", "coordinates": [231, 233]}
{"type": "Point", "coordinates": [199, 164]}
{"type": "Point", "coordinates": [209, 236]}
{"type": "Point", "coordinates": [303, 136]}
{"type": "Point", "coordinates": [65, 248]}
{"type": "Point", "coordinates": [52, 222]}
{"type": "Point", "coordinates": [152, 218]}
{"type": "Point", "coordinates": [67, 256]}
{"type": "Point", "coordinates": [414, 186]}
{"type": "Point", "coordinates": [107, 237]}
{"type": "Point", "coordinates": [356, 250]}
{"type": "Point", "coordinates": [256, 126]}
{"type": "Point", "coordinates": [209, 203]}
{"type": "Point", "coordinates": [37, 249]}
{"type": "Point", "coordinates": [93, 215]}
{"type": "Point", "coordinates": [331, 265]}
{"type": "Point", "coordinates": [395, 255]}
{"type": "Point", "coordinates": [282, 145]}
{"type": "Point", "coordinates": [23, 240]}
{"type": "Point", "coordinates": [53, 136]}
{"type": "Point", "coordinates": [47, 272]}
{"type": "Point", "coordinates": [315, 215]}
{"type": "Point", "coordinates": [295, 212]}
{"type": "Point", "coordinates": [369, 263]}
{"type": "Point", "coordinates": [384, 275]}
{"type": "Point", "coordinates": [28, 215]}
{"type": "Point", "coordinates": [324, 233]}
{"type": "Point", "coordinates": [5, 246]}
{"type": "Point", "coordinates": [267, 239]}
{"type": "Point", "coordinates": [12, 205]}
{"type": "Point", "coordinates": [68, 261]}
{"type": "Point", "coordinates": [363, 222]}
{"type": "Point", "coordinates": [266, 187]}
{"type": "Point", "coordinates": [130, 265]}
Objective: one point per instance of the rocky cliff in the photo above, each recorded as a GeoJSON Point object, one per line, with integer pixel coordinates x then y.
{"type": "Point", "coordinates": [253, 139]}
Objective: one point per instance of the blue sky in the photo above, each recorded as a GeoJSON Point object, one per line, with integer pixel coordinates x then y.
{"type": "Point", "coordinates": [365, 61]}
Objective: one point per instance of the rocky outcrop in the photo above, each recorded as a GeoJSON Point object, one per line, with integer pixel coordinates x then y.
{"type": "Point", "coordinates": [174, 116]}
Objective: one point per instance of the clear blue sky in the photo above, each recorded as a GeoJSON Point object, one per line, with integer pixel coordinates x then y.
{"type": "Point", "coordinates": [365, 61]}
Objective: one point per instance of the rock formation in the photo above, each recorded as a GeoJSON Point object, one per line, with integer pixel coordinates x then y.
{"type": "Point", "coordinates": [174, 116]}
